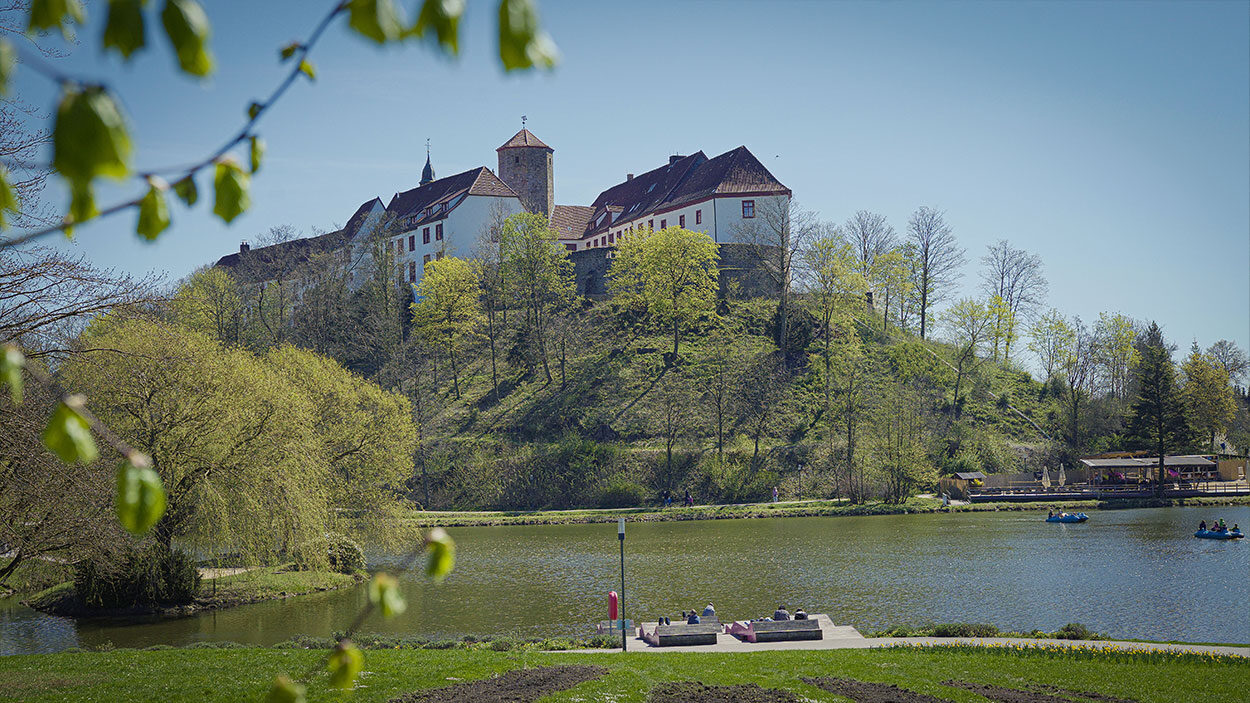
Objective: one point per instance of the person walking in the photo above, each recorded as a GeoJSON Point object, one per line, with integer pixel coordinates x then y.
{"type": "Point", "coordinates": [774, 494]}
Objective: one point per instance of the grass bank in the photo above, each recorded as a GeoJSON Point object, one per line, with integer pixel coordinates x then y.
{"type": "Point", "coordinates": [805, 508]}
{"type": "Point", "coordinates": [268, 583]}
{"type": "Point", "coordinates": [245, 674]}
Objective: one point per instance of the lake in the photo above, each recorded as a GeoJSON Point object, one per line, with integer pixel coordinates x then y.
{"type": "Point", "coordinates": [1129, 573]}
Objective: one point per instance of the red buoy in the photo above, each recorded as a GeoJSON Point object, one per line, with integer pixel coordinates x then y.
{"type": "Point", "coordinates": [613, 604]}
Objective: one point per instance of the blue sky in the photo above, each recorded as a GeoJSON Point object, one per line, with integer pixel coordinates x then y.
{"type": "Point", "coordinates": [1113, 139]}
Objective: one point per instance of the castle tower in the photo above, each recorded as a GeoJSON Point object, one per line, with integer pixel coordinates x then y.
{"type": "Point", "coordinates": [525, 164]}
{"type": "Point", "coordinates": [427, 173]}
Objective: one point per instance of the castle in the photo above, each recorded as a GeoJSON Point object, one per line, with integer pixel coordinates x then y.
{"type": "Point", "coordinates": [719, 196]}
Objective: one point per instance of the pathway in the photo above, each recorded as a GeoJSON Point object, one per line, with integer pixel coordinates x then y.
{"type": "Point", "coordinates": [847, 637]}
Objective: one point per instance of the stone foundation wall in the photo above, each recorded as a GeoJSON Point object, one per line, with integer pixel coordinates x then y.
{"type": "Point", "coordinates": [740, 272]}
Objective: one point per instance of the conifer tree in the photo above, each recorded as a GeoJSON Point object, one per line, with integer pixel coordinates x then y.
{"type": "Point", "coordinates": [1159, 422]}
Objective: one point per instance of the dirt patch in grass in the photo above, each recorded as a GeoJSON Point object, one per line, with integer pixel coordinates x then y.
{"type": "Point", "coordinates": [516, 686]}
{"type": "Point", "coordinates": [1083, 694]}
{"type": "Point", "coordinates": [1006, 695]}
{"type": "Point", "coordinates": [695, 692]}
{"type": "Point", "coordinates": [867, 692]}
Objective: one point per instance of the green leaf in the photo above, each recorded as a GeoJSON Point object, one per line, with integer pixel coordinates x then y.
{"type": "Point", "coordinates": [307, 69]}
{"type": "Point", "coordinates": [81, 206]}
{"type": "Point", "coordinates": [344, 665]}
{"type": "Point", "coordinates": [285, 691]}
{"type": "Point", "coordinates": [68, 435]}
{"type": "Point", "coordinates": [253, 110]}
{"type": "Point", "coordinates": [153, 212]}
{"type": "Point", "coordinates": [442, 16]}
{"type": "Point", "coordinates": [11, 363]}
{"type": "Point", "coordinates": [257, 152]}
{"type": "Point", "coordinates": [8, 64]}
{"type": "Point", "coordinates": [384, 593]}
{"type": "Point", "coordinates": [89, 137]}
{"type": "Point", "coordinates": [8, 198]}
{"type": "Point", "coordinates": [124, 28]}
{"type": "Point", "coordinates": [230, 185]}
{"type": "Point", "coordinates": [188, 30]}
{"type": "Point", "coordinates": [54, 14]}
{"type": "Point", "coordinates": [522, 43]}
{"type": "Point", "coordinates": [140, 496]}
{"type": "Point", "coordinates": [289, 50]}
{"type": "Point", "coordinates": [186, 191]}
{"type": "Point", "coordinates": [375, 19]}
{"type": "Point", "coordinates": [442, 554]}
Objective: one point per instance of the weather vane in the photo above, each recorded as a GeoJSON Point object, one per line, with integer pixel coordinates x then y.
{"type": "Point", "coordinates": [427, 146]}
{"type": "Point", "coordinates": [523, 121]}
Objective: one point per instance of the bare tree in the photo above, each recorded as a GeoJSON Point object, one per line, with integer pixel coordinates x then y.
{"type": "Point", "coordinates": [871, 236]}
{"type": "Point", "coordinates": [1078, 363]}
{"type": "Point", "coordinates": [24, 134]}
{"type": "Point", "coordinates": [493, 287]}
{"type": "Point", "coordinates": [1231, 358]}
{"type": "Point", "coordinates": [46, 298]}
{"type": "Point", "coordinates": [1016, 276]}
{"type": "Point", "coordinates": [777, 235]}
{"type": "Point", "coordinates": [939, 258]}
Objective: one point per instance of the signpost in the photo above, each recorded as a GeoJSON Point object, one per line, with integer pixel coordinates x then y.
{"type": "Point", "coordinates": [620, 536]}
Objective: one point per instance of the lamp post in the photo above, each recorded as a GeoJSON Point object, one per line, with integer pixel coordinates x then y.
{"type": "Point", "coordinates": [620, 536]}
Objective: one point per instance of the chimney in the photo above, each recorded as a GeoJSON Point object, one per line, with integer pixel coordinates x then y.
{"type": "Point", "coordinates": [673, 159]}
{"type": "Point", "coordinates": [629, 176]}
{"type": "Point", "coordinates": [245, 248]}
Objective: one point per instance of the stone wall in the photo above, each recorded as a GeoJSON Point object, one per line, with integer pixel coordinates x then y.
{"type": "Point", "coordinates": [739, 271]}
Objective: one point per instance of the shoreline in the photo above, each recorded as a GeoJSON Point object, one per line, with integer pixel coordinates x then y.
{"type": "Point", "coordinates": [806, 508]}
{"type": "Point", "coordinates": [245, 588]}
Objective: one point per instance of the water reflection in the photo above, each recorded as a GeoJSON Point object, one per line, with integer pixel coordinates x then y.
{"type": "Point", "coordinates": [1133, 573]}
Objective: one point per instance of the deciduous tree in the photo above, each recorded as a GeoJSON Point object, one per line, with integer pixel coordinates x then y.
{"type": "Point", "coordinates": [448, 308]}
{"type": "Point", "coordinates": [1208, 395]}
{"type": "Point", "coordinates": [538, 273]}
{"type": "Point", "coordinates": [672, 272]}
{"type": "Point", "coordinates": [968, 323]}
{"type": "Point", "coordinates": [1015, 276]}
{"type": "Point", "coordinates": [938, 259]}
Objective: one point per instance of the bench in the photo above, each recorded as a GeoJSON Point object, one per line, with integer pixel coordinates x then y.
{"type": "Point", "coordinates": [613, 626]}
{"type": "Point", "coordinates": [680, 634]}
{"type": "Point", "coordinates": [777, 631]}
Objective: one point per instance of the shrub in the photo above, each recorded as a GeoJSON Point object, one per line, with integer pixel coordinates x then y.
{"type": "Point", "coordinates": [346, 557]}
{"type": "Point", "coordinates": [964, 629]}
{"type": "Point", "coordinates": [146, 576]}
{"type": "Point", "coordinates": [1074, 631]}
{"type": "Point", "coordinates": [621, 493]}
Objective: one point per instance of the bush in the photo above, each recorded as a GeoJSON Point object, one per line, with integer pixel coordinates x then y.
{"type": "Point", "coordinates": [346, 557]}
{"type": "Point", "coordinates": [148, 576]}
{"type": "Point", "coordinates": [1074, 631]}
{"type": "Point", "coordinates": [621, 494]}
{"type": "Point", "coordinates": [965, 629]}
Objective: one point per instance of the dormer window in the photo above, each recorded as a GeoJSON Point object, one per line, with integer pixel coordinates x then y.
{"type": "Point", "coordinates": [429, 211]}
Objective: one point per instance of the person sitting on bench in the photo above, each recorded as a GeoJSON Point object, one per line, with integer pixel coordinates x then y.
{"type": "Point", "coordinates": [709, 611]}
{"type": "Point", "coordinates": [693, 619]}
{"type": "Point", "coordinates": [781, 613]}
{"type": "Point", "coordinates": [800, 614]}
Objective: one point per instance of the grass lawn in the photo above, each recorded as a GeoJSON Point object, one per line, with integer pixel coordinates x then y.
{"type": "Point", "coordinates": [206, 675]}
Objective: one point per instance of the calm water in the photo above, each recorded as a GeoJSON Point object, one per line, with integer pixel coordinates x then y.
{"type": "Point", "coordinates": [1130, 573]}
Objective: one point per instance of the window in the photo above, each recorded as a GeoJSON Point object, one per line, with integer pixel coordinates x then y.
{"type": "Point", "coordinates": [663, 224]}
{"type": "Point", "coordinates": [748, 209]}
{"type": "Point", "coordinates": [650, 224]}
{"type": "Point", "coordinates": [442, 207]}
{"type": "Point", "coordinates": [438, 231]}
{"type": "Point", "coordinates": [698, 217]}
{"type": "Point", "coordinates": [412, 242]}
{"type": "Point", "coordinates": [425, 259]}
{"type": "Point", "coordinates": [516, 159]}
{"type": "Point", "coordinates": [399, 245]}
{"type": "Point", "coordinates": [681, 221]}
{"type": "Point", "coordinates": [571, 247]}
{"type": "Point", "coordinates": [439, 255]}
{"type": "Point", "coordinates": [611, 237]}
{"type": "Point", "coordinates": [412, 272]}
{"type": "Point", "coordinates": [425, 235]}
{"type": "Point", "coordinates": [429, 211]}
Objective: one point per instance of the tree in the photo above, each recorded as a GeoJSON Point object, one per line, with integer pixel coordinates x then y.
{"type": "Point", "coordinates": [1229, 356]}
{"type": "Point", "coordinates": [673, 274]}
{"type": "Point", "coordinates": [871, 236]}
{"type": "Point", "coordinates": [1116, 351]}
{"type": "Point", "coordinates": [777, 235]}
{"type": "Point", "coordinates": [892, 281]}
{"type": "Point", "coordinates": [492, 285]}
{"type": "Point", "coordinates": [1077, 360]}
{"type": "Point", "coordinates": [672, 416]}
{"type": "Point", "coordinates": [1002, 327]}
{"type": "Point", "coordinates": [901, 436]}
{"type": "Point", "coordinates": [1158, 421]}
{"type": "Point", "coordinates": [1016, 276]}
{"type": "Point", "coordinates": [211, 302]}
{"type": "Point", "coordinates": [938, 259]}
{"type": "Point", "coordinates": [968, 322]}
{"type": "Point", "coordinates": [1208, 395]}
{"type": "Point", "coordinates": [537, 269]}
{"type": "Point", "coordinates": [23, 132]}
{"type": "Point", "coordinates": [721, 376]}
{"type": "Point", "coordinates": [448, 308]}
{"type": "Point", "coordinates": [1049, 338]}
{"type": "Point", "coordinates": [764, 388]}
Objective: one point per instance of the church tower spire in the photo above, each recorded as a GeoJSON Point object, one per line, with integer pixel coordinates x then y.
{"type": "Point", "coordinates": [427, 173]}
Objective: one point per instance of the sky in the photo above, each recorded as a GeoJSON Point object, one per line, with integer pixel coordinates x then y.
{"type": "Point", "coordinates": [1110, 138]}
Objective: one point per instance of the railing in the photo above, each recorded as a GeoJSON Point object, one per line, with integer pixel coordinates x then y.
{"type": "Point", "coordinates": [1112, 489]}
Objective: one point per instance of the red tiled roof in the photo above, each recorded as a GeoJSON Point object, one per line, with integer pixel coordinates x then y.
{"type": "Point", "coordinates": [411, 204]}
{"type": "Point", "coordinates": [266, 263]}
{"type": "Point", "coordinates": [570, 221]}
{"type": "Point", "coordinates": [524, 138]}
{"type": "Point", "coordinates": [685, 179]}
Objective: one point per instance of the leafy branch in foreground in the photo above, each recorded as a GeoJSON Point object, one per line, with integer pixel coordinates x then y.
{"type": "Point", "coordinates": [90, 136]}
